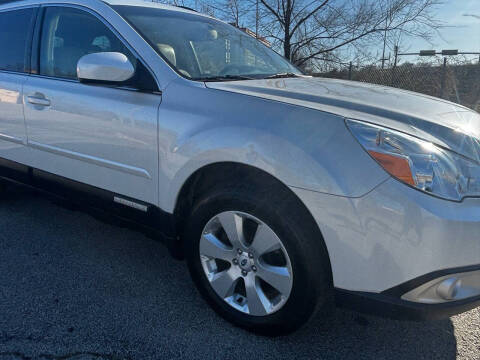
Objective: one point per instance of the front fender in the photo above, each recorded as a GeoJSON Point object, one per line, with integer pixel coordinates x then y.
{"type": "Point", "coordinates": [301, 147]}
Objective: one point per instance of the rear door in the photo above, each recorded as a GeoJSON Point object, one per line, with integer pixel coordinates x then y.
{"type": "Point", "coordinates": [98, 135]}
{"type": "Point", "coordinates": [15, 40]}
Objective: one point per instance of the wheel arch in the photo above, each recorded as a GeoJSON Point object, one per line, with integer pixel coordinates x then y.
{"type": "Point", "coordinates": [228, 173]}
{"type": "Point", "coordinates": [220, 174]}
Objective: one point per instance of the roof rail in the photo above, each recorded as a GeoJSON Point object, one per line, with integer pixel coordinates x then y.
{"type": "Point", "coordinates": [179, 6]}
{"type": "Point", "coordinates": [183, 7]}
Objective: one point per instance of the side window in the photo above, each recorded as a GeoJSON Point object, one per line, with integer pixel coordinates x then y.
{"type": "Point", "coordinates": [14, 29]}
{"type": "Point", "coordinates": [67, 35]}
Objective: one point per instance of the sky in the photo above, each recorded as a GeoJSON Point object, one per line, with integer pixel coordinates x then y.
{"type": "Point", "coordinates": [462, 18]}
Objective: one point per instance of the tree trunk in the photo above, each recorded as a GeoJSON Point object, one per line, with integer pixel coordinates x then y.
{"type": "Point", "coordinates": [287, 48]}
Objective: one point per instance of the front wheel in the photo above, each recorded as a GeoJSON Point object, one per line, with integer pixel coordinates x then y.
{"type": "Point", "coordinates": [256, 261]}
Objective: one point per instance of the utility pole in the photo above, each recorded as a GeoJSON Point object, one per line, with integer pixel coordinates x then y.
{"type": "Point", "coordinates": [385, 40]}
{"type": "Point", "coordinates": [384, 45]}
{"type": "Point", "coordinates": [394, 68]}
{"type": "Point", "coordinates": [444, 78]}
{"type": "Point", "coordinates": [256, 20]}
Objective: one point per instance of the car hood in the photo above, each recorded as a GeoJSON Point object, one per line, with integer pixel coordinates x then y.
{"type": "Point", "coordinates": [444, 123]}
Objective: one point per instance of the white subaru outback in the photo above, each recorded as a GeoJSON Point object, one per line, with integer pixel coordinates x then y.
{"type": "Point", "coordinates": [282, 191]}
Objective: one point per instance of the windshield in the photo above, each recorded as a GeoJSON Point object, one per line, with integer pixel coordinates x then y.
{"type": "Point", "coordinates": [201, 48]}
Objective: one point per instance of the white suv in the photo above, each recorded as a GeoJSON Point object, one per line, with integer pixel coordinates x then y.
{"type": "Point", "coordinates": [281, 190]}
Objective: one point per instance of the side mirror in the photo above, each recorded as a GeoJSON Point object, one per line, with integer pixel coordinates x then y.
{"type": "Point", "coordinates": [105, 67]}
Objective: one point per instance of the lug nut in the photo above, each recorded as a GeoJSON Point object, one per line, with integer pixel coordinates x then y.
{"type": "Point", "coordinates": [250, 255]}
{"type": "Point", "coordinates": [254, 268]}
{"type": "Point", "coordinates": [240, 252]}
{"type": "Point", "coordinates": [244, 273]}
{"type": "Point", "coordinates": [235, 261]}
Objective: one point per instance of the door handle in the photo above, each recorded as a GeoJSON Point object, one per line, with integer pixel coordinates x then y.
{"type": "Point", "coordinates": [38, 100]}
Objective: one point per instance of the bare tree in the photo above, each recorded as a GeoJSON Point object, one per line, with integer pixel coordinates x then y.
{"type": "Point", "coordinates": [171, 2]}
{"type": "Point", "coordinates": [206, 8]}
{"type": "Point", "coordinates": [307, 30]}
{"type": "Point", "coordinates": [237, 12]}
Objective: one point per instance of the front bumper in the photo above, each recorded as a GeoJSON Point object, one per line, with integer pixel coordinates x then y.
{"type": "Point", "coordinates": [396, 237]}
{"type": "Point", "coordinates": [402, 302]}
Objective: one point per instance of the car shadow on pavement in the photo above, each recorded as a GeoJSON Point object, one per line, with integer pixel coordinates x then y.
{"type": "Point", "coordinates": [72, 287]}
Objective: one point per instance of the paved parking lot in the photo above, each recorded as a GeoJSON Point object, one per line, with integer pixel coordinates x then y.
{"type": "Point", "coordinates": [72, 287]}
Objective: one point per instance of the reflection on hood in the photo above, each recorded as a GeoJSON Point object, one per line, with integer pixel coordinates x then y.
{"type": "Point", "coordinates": [439, 121]}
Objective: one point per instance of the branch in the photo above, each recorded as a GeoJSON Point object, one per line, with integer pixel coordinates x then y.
{"type": "Point", "coordinates": [299, 23]}
{"type": "Point", "coordinates": [273, 11]}
{"type": "Point", "coordinates": [338, 45]}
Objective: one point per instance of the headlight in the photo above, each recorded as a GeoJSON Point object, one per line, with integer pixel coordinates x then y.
{"type": "Point", "coordinates": [419, 163]}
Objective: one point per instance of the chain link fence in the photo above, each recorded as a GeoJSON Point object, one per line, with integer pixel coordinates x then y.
{"type": "Point", "coordinates": [457, 82]}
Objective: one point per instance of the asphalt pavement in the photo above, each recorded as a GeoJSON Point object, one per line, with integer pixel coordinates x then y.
{"type": "Point", "coordinates": [74, 287]}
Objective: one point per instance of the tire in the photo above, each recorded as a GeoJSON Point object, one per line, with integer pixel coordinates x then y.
{"type": "Point", "coordinates": [306, 254]}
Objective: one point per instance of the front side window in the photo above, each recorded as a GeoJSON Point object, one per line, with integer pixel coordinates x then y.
{"type": "Point", "coordinates": [14, 29]}
{"type": "Point", "coordinates": [67, 35]}
{"type": "Point", "coordinates": [203, 48]}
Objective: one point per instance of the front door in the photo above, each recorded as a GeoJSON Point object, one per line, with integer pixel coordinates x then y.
{"type": "Point", "coordinates": [98, 135]}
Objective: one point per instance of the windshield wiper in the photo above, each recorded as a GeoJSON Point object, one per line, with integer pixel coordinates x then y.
{"type": "Point", "coordinates": [224, 78]}
{"type": "Point", "coordinates": [281, 76]}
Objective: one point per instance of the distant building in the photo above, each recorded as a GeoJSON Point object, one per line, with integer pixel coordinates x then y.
{"type": "Point", "coordinates": [263, 40]}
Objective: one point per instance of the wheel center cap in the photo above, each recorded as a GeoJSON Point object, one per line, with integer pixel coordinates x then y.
{"type": "Point", "coordinates": [245, 263]}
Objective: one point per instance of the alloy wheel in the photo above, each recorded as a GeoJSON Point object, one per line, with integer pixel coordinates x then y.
{"type": "Point", "coordinates": [246, 263]}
